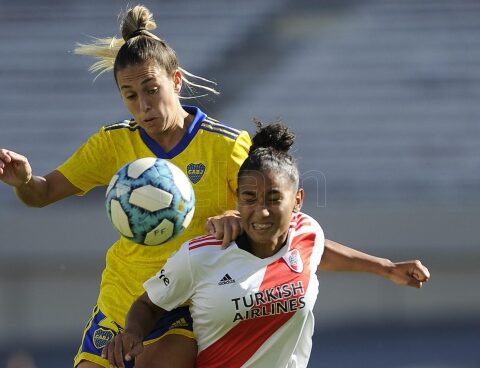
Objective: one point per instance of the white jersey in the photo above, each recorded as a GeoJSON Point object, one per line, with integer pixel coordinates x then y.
{"type": "Point", "coordinates": [247, 311]}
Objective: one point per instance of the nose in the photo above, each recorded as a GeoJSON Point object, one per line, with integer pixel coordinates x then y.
{"type": "Point", "coordinates": [144, 104]}
{"type": "Point", "coordinates": [262, 210]}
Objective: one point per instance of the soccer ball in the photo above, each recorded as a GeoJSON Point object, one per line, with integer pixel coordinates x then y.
{"type": "Point", "coordinates": [150, 201]}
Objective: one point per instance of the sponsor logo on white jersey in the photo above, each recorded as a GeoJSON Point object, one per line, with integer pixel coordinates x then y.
{"type": "Point", "coordinates": [227, 279]}
{"type": "Point", "coordinates": [165, 279]}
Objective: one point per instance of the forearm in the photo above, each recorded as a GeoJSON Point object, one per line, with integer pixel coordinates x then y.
{"type": "Point", "coordinates": [34, 193]}
{"type": "Point", "coordinates": [40, 191]}
{"type": "Point", "coordinates": [142, 317]}
{"type": "Point", "coordinates": [338, 257]}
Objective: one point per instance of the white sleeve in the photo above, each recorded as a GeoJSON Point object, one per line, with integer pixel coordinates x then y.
{"type": "Point", "coordinates": [319, 245]}
{"type": "Point", "coordinates": [173, 284]}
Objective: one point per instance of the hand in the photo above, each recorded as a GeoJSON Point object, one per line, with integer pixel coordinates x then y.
{"type": "Point", "coordinates": [124, 346]}
{"type": "Point", "coordinates": [409, 273]}
{"type": "Point", "coordinates": [15, 169]}
{"type": "Point", "coordinates": [227, 226]}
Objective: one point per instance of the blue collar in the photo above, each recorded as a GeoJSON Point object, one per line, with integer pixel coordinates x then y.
{"type": "Point", "coordinates": [199, 117]}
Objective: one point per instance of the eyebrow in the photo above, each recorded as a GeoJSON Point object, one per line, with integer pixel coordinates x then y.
{"type": "Point", "coordinates": [248, 192]}
{"type": "Point", "coordinates": [254, 192]}
{"type": "Point", "coordinates": [145, 81]}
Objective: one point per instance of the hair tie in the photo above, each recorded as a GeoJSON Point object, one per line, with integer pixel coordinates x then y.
{"type": "Point", "coordinates": [137, 32]}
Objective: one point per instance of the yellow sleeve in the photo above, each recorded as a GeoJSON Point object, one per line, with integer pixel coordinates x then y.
{"type": "Point", "coordinates": [92, 165]}
{"type": "Point", "coordinates": [238, 155]}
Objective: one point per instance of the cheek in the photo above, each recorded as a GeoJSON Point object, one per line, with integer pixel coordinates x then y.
{"type": "Point", "coordinates": [130, 105]}
{"type": "Point", "coordinates": [244, 213]}
{"type": "Point", "coordinates": [285, 216]}
{"type": "Point", "coordinates": [169, 97]}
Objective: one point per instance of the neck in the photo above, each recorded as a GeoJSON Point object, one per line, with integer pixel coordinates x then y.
{"type": "Point", "coordinates": [170, 137]}
{"type": "Point", "coordinates": [261, 250]}
{"type": "Point", "coordinates": [265, 251]}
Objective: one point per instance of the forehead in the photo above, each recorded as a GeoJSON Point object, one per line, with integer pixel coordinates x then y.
{"type": "Point", "coordinates": [264, 181]}
{"type": "Point", "coordinates": [138, 73]}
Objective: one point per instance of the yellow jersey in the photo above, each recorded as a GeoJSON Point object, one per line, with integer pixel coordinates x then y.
{"type": "Point", "coordinates": [210, 154]}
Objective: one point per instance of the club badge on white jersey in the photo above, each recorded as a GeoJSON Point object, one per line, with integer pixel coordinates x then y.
{"type": "Point", "coordinates": [294, 260]}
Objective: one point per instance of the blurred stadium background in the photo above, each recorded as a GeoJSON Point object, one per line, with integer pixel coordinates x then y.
{"type": "Point", "coordinates": [385, 98]}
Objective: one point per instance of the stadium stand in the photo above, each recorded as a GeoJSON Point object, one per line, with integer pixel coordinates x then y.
{"type": "Point", "coordinates": [384, 98]}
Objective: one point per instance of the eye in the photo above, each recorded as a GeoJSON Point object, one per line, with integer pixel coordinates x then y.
{"type": "Point", "coordinates": [130, 96]}
{"type": "Point", "coordinates": [152, 91]}
{"type": "Point", "coordinates": [248, 200]}
{"type": "Point", "coordinates": [274, 200]}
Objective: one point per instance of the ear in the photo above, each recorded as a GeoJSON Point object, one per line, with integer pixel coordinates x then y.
{"type": "Point", "coordinates": [177, 81]}
{"type": "Point", "coordinates": [299, 197]}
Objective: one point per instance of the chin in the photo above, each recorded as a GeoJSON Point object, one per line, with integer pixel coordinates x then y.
{"type": "Point", "coordinates": [263, 239]}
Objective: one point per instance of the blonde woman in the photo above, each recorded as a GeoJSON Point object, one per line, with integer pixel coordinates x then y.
{"type": "Point", "coordinates": [150, 80]}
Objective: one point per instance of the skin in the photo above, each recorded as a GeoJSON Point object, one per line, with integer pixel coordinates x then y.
{"type": "Point", "coordinates": [151, 96]}
{"type": "Point", "coordinates": [32, 190]}
{"type": "Point", "coordinates": [265, 203]}
{"type": "Point", "coordinates": [225, 227]}
{"type": "Point", "coordinates": [339, 258]}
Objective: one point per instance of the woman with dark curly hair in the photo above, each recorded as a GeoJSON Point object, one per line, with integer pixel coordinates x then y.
{"type": "Point", "coordinates": [252, 302]}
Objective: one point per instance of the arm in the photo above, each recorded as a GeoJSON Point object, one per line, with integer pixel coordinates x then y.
{"type": "Point", "coordinates": [170, 287]}
{"type": "Point", "coordinates": [141, 319]}
{"type": "Point", "coordinates": [338, 257]}
{"type": "Point", "coordinates": [34, 191]}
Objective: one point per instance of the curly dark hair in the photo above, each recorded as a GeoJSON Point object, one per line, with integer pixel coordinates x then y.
{"type": "Point", "coordinates": [270, 151]}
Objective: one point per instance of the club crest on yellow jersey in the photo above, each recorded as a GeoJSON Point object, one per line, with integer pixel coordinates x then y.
{"type": "Point", "coordinates": [195, 172]}
{"type": "Point", "coordinates": [101, 337]}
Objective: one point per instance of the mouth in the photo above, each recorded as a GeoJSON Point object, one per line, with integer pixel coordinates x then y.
{"type": "Point", "coordinates": [149, 120]}
{"type": "Point", "coordinates": [262, 226]}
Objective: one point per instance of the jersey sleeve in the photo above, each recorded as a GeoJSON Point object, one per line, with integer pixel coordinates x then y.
{"type": "Point", "coordinates": [92, 165]}
{"type": "Point", "coordinates": [238, 155]}
{"type": "Point", "coordinates": [319, 246]}
{"type": "Point", "coordinates": [173, 285]}
{"type": "Point", "coordinates": [319, 242]}
{"type": "Point", "coordinates": [309, 225]}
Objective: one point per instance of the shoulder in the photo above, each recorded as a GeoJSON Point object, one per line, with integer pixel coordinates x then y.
{"type": "Point", "coordinates": [121, 132]}
{"type": "Point", "coordinates": [302, 222]}
{"type": "Point", "coordinates": [201, 252]}
{"type": "Point", "coordinates": [214, 126]}
{"type": "Point", "coordinates": [203, 244]}
{"type": "Point", "coordinates": [307, 236]}
{"type": "Point", "coordinates": [121, 126]}
{"type": "Point", "coordinates": [222, 131]}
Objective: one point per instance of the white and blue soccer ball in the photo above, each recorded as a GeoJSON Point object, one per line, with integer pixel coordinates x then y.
{"type": "Point", "coordinates": [150, 201]}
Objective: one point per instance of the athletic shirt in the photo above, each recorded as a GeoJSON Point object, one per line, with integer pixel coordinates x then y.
{"type": "Point", "coordinates": [247, 311]}
{"type": "Point", "coordinates": [210, 154]}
